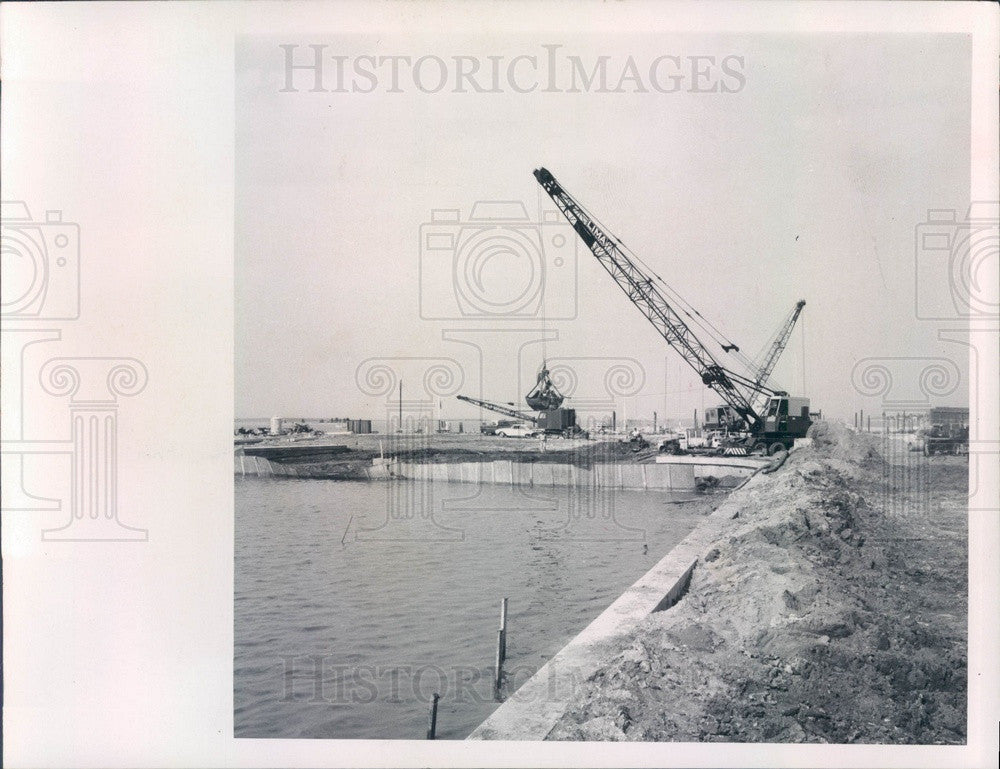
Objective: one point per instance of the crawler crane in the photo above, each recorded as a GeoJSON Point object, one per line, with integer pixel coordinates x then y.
{"type": "Point", "coordinates": [772, 426]}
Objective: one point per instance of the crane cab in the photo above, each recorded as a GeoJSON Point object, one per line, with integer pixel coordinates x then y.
{"type": "Point", "coordinates": [786, 418]}
{"type": "Point", "coordinates": [723, 418]}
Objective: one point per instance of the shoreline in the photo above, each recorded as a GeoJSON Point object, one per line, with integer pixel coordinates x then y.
{"type": "Point", "coordinates": [826, 604]}
{"type": "Point", "coordinates": [608, 464]}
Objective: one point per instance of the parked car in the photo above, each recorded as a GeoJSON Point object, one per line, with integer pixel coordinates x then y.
{"type": "Point", "coordinates": [490, 428]}
{"type": "Point", "coordinates": [519, 431]}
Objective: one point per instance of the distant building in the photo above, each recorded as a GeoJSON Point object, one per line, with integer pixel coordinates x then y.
{"type": "Point", "coordinates": [951, 416]}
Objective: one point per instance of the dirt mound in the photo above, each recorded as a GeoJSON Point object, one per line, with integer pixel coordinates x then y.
{"type": "Point", "coordinates": [835, 440]}
{"type": "Point", "coordinates": [818, 616]}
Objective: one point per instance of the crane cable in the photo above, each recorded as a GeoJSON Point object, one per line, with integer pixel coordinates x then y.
{"type": "Point", "coordinates": [650, 274]}
{"type": "Point", "coordinates": [684, 306]}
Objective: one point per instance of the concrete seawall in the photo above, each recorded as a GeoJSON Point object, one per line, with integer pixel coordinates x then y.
{"type": "Point", "coordinates": [532, 711]}
{"type": "Point", "coordinates": [261, 467]}
{"type": "Point", "coordinates": [679, 474]}
{"type": "Point", "coordinates": [544, 474]}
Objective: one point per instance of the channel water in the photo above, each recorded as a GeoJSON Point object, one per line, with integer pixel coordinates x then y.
{"type": "Point", "coordinates": [356, 602]}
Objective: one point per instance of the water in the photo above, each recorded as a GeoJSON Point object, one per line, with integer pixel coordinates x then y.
{"type": "Point", "coordinates": [354, 603]}
{"type": "Point", "coordinates": [381, 426]}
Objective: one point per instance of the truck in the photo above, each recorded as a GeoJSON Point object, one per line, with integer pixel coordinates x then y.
{"type": "Point", "coordinates": [946, 439]}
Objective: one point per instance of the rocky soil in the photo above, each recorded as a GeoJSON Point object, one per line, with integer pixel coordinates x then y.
{"type": "Point", "coordinates": [833, 609]}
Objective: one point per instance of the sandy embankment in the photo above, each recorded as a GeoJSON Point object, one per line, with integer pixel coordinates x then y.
{"type": "Point", "coordinates": [833, 608]}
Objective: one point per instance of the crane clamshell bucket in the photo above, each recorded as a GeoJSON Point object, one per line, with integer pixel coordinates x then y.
{"type": "Point", "coordinates": [544, 396]}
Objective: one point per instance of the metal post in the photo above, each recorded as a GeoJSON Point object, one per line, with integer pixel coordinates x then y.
{"type": "Point", "coordinates": [498, 666]}
{"type": "Point", "coordinates": [861, 420]}
{"type": "Point", "coordinates": [432, 729]}
{"type": "Point", "coordinates": [869, 423]}
{"type": "Point", "coordinates": [654, 423]}
{"type": "Point", "coordinates": [503, 630]}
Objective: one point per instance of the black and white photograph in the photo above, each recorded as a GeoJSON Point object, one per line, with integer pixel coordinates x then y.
{"type": "Point", "coordinates": [521, 384]}
{"type": "Point", "coordinates": [666, 447]}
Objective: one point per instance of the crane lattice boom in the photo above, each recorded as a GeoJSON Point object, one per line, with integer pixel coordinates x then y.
{"type": "Point", "coordinates": [780, 342]}
{"type": "Point", "coordinates": [500, 409]}
{"type": "Point", "coordinates": [735, 389]}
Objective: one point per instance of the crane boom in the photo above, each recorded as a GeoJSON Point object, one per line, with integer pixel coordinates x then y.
{"type": "Point", "coordinates": [780, 342]}
{"type": "Point", "coordinates": [500, 409]}
{"type": "Point", "coordinates": [735, 389]}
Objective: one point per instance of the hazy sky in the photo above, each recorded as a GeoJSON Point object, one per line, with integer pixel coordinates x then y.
{"type": "Point", "coordinates": [805, 181]}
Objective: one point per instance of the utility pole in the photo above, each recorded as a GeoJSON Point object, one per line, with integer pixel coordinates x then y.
{"type": "Point", "coordinates": [400, 405]}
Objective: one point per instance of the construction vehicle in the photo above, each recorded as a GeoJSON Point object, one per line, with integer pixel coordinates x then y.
{"type": "Point", "coordinates": [945, 431]}
{"type": "Point", "coordinates": [777, 347]}
{"type": "Point", "coordinates": [694, 440]}
{"type": "Point", "coordinates": [946, 439]}
{"type": "Point", "coordinates": [507, 410]}
{"type": "Point", "coordinates": [770, 427]}
{"type": "Point", "coordinates": [547, 413]}
{"type": "Point", "coordinates": [722, 417]}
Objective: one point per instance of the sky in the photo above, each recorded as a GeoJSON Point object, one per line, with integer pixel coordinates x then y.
{"type": "Point", "coordinates": [806, 177]}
